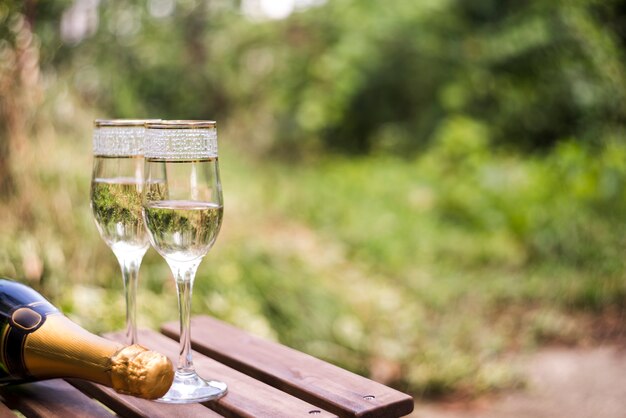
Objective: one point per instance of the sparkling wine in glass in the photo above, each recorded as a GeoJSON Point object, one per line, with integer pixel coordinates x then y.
{"type": "Point", "coordinates": [183, 207]}
{"type": "Point", "coordinates": [116, 195]}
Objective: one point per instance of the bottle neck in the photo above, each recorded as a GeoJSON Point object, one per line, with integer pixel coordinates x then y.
{"type": "Point", "coordinates": [61, 348]}
{"type": "Point", "coordinates": [38, 342]}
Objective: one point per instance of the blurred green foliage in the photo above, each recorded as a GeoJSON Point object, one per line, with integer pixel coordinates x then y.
{"type": "Point", "coordinates": [359, 76]}
{"type": "Point", "coordinates": [413, 190]}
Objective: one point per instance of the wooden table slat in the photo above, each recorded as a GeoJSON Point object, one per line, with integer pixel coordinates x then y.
{"type": "Point", "coordinates": [311, 379]}
{"type": "Point", "coordinates": [247, 397]}
{"type": "Point", "coordinates": [5, 411]}
{"type": "Point", "coordinates": [50, 399]}
{"type": "Point", "coordinates": [133, 407]}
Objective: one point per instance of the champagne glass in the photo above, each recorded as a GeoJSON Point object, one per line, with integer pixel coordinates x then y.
{"type": "Point", "coordinates": [116, 186]}
{"type": "Point", "coordinates": [182, 207]}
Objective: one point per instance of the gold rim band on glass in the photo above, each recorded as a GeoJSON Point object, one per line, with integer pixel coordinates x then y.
{"type": "Point", "coordinates": [181, 124]}
{"type": "Point", "coordinates": [104, 123]}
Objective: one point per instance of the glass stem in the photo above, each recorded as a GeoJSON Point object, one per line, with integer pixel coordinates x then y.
{"type": "Point", "coordinates": [130, 273]}
{"type": "Point", "coordinates": [185, 274]}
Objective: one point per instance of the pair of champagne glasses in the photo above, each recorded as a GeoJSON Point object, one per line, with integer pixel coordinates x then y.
{"type": "Point", "coordinates": [157, 182]}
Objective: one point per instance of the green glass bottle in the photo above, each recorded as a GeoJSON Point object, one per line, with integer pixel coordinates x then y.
{"type": "Point", "coordinates": [38, 342]}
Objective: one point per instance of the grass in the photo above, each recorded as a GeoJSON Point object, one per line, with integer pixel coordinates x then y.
{"type": "Point", "coordinates": [422, 273]}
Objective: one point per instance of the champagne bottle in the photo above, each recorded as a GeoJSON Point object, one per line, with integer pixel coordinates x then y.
{"type": "Point", "coordinates": [38, 342]}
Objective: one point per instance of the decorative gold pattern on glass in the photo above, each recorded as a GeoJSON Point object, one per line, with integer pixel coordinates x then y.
{"type": "Point", "coordinates": [119, 137]}
{"type": "Point", "coordinates": [181, 140]}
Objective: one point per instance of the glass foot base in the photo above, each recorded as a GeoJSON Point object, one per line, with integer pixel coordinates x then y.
{"type": "Point", "coordinates": [191, 388]}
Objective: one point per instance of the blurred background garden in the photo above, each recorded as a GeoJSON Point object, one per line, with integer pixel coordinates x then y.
{"type": "Point", "coordinates": [414, 190]}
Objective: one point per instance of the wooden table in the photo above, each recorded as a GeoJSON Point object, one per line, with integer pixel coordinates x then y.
{"type": "Point", "coordinates": [265, 379]}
